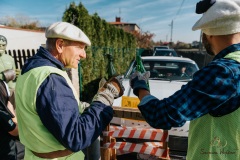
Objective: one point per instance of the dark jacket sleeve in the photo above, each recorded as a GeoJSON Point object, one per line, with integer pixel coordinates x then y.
{"type": "Point", "coordinates": [6, 122]}
{"type": "Point", "coordinates": [58, 111]}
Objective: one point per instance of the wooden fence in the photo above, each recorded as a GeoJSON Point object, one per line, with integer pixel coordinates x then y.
{"type": "Point", "coordinates": [20, 56]}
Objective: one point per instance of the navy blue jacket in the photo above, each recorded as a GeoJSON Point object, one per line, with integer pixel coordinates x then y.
{"type": "Point", "coordinates": [58, 108]}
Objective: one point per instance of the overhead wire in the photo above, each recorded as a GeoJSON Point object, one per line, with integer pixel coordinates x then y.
{"type": "Point", "coordinates": [180, 8]}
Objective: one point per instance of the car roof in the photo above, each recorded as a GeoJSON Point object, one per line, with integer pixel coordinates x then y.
{"type": "Point", "coordinates": [164, 49]}
{"type": "Point", "coordinates": [168, 58]}
{"type": "Point", "coordinates": [161, 47]}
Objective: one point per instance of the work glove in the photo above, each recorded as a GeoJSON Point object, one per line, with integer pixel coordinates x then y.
{"type": "Point", "coordinates": [9, 75]}
{"type": "Point", "coordinates": [109, 90]}
{"type": "Point", "coordinates": [139, 81]}
{"type": "Point", "coordinates": [84, 105]}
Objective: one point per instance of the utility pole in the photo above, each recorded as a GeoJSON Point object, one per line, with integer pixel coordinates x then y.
{"type": "Point", "coordinates": [200, 43]}
{"type": "Point", "coordinates": [171, 30]}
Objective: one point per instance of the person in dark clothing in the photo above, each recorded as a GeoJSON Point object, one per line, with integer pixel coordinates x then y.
{"type": "Point", "coordinates": [8, 125]}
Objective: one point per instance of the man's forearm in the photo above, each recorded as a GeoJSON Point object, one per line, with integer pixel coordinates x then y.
{"type": "Point", "coordinates": [142, 93]}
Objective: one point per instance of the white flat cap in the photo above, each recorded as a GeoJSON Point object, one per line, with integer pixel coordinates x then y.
{"type": "Point", "coordinates": [222, 18]}
{"type": "Point", "coordinates": [67, 31]}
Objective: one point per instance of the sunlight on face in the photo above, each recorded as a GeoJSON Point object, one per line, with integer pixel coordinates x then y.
{"type": "Point", "coordinates": [72, 53]}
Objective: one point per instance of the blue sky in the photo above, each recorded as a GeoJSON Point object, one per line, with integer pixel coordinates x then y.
{"type": "Point", "coordinates": [154, 16]}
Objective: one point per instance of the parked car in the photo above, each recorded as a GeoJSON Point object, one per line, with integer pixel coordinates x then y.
{"type": "Point", "coordinates": [160, 47]}
{"type": "Point", "coordinates": [165, 52]}
{"type": "Point", "coordinates": [168, 74]}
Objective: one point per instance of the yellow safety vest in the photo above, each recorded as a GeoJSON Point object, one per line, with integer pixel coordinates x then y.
{"type": "Point", "coordinates": [215, 138]}
{"type": "Point", "coordinates": [32, 132]}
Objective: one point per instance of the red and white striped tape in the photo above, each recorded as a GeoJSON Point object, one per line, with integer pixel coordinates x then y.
{"type": "Point", "coordinates": [138, 148]}
{"type": "Point", "coordinates": [154, 144]}
{"type": "Point", "coordinates": [140, 133]}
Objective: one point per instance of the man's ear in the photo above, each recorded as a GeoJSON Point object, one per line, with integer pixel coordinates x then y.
{"type": "Point", "coordinates": [59, 45]}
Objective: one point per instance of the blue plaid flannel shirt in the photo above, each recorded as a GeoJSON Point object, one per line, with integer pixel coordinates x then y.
{"type": "Point", "coordinates": [214, 89]}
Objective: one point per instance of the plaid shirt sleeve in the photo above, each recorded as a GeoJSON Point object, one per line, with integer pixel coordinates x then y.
{"type": "Point", "coordinates": [212, 87]}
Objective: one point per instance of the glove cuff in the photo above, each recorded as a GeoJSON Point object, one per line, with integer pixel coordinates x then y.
{"type": "Point", "coordinates": [106, 95]}
{"type": "Point", "coordinates": [140, 84]}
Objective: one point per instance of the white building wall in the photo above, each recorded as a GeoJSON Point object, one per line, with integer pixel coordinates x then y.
{"type": "Point", "coordinates": [22, 39]}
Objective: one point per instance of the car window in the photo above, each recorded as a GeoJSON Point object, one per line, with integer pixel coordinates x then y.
{"type": "Point", "coordinates": [168, 70]}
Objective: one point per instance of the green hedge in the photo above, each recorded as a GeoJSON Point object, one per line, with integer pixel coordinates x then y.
{"type": "Point", "coordinates": [106, 39]}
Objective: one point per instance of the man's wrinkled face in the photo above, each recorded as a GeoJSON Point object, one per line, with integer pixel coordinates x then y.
{"type": "Point", "coordinates": [3, 44]}
{"type": "Point", "coordinates": [72, 53]}
{"type": "Point", "coordinates": [207, 45]}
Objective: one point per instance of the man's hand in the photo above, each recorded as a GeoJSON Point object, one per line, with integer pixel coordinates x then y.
{"type": "Point", "coordinates": [139, 81]}
{"type": "Point", "coordinates": [9, 75]}
{"type": "Point", "coordinates": [109, 90]}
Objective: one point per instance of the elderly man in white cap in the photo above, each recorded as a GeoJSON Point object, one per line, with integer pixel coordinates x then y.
{"type": "Point", "coordinates": [52, 122]}
{"type": "Point", "coordinates": [211, 100]}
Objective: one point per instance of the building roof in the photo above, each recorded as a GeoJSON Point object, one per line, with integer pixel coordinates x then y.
{"type": "Point", "coordinates": [22, 29]}
{"type": "Point", "coordinates": [118, 22]}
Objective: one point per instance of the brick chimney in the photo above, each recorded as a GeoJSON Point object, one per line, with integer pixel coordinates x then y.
{"type": "Point", "coordinates": [118, 19]}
